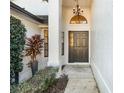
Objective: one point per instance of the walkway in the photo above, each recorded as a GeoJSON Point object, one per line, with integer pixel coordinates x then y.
{"type": "Point", "coordinates": [81, 80]}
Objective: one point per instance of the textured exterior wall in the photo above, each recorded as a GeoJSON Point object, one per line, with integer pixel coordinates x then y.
{"type": "Point", "coordinates": [32, 28]}
{"type": "Point", "coordinates": [101, 44]}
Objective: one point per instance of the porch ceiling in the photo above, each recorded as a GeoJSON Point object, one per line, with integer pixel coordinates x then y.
{"type": "Point", "coordinates": [82, 3]}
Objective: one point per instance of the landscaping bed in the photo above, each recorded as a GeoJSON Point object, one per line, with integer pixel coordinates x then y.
{"type": "Point", "coordinates": [58, 87]}
{"type": "Point", "coordinates": [43, 82]}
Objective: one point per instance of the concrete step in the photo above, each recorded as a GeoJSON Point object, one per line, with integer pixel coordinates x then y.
{"type": "Point", "coordinates": [81, 80]}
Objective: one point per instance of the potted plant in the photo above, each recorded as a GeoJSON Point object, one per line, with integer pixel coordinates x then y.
{"type": "Point", "coordinates": [33, 48]}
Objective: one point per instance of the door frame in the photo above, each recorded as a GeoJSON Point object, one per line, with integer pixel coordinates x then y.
{"type": "Point", "coordinates": [67, 51]}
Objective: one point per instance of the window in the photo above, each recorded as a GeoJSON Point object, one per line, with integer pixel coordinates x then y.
{"type": "Point", "coordinates": [62, 43]}
{"type": "Point", "coordinates": [45, 43]}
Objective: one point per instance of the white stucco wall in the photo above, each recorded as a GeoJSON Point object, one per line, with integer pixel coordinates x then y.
{"type": "Point", "coordinates": [32, 28]}
{"type": "Point", "coordinates": [67, 14]}
{"type": "Point", "coordinates": [54, 32]}
{"type": "Point", "coordinates": [101, 44]}
{"type": "Point", "coordinates": [36, 7]}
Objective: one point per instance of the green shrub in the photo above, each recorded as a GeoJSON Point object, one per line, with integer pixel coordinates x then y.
{"type": "Point", "coordinates": [49, 81]}
{"type": "Point", "coordinates": [40, 82]}
{"type": "Point", "coordinates": [17, 42]}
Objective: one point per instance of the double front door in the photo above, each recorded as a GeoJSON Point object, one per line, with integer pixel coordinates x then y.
{"type": "Point", "coordinates": [78, 46]}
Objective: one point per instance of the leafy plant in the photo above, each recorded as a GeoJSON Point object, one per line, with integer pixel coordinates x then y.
{"type": "Point", "coordinates": [17, 42]}
{"type": "Point", "coordinates": [49, 81]}
{"type": "Point", "coordinates": [37, 84]}
{"type": "Point", "coordinates": [33, 47]}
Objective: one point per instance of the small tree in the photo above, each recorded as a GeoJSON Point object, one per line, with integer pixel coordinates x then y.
{"type": "Point", "coordinates": [17, 42]}
{"type": "Point", "coordinates": [33, 48]}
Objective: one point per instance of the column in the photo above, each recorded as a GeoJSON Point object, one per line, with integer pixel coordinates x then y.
{"type": "Point", "coordinates": [54, 32]}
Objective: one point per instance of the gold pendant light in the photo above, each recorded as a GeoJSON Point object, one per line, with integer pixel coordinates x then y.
{"type": "Point", "coordinates": [78, 18]}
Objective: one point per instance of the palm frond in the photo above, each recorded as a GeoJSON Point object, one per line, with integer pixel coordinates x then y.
{"type": "Point", "coordinates": [33, 46]}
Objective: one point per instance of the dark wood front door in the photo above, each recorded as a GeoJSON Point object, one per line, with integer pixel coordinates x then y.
{"type": "Point", "coordinates": [78, 46]}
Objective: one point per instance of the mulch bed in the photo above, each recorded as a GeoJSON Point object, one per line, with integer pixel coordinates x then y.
{"type": "Point", "coordinates": [59, 86]}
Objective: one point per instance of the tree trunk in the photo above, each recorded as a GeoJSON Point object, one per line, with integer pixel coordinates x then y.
{"type": "Point", "coordinates": [16, 77]}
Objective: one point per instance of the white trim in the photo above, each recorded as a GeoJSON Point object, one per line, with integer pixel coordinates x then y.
{"type": "Point", "coordinates": [100, 80]}
{"type": "Point", "coordinates": [82, 64]}
{"type": "Point", "coordinates": [89, 45]}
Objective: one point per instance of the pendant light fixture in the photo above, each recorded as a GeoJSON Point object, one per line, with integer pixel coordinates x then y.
{"type": "Point", "coordinates": [78, 18]}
